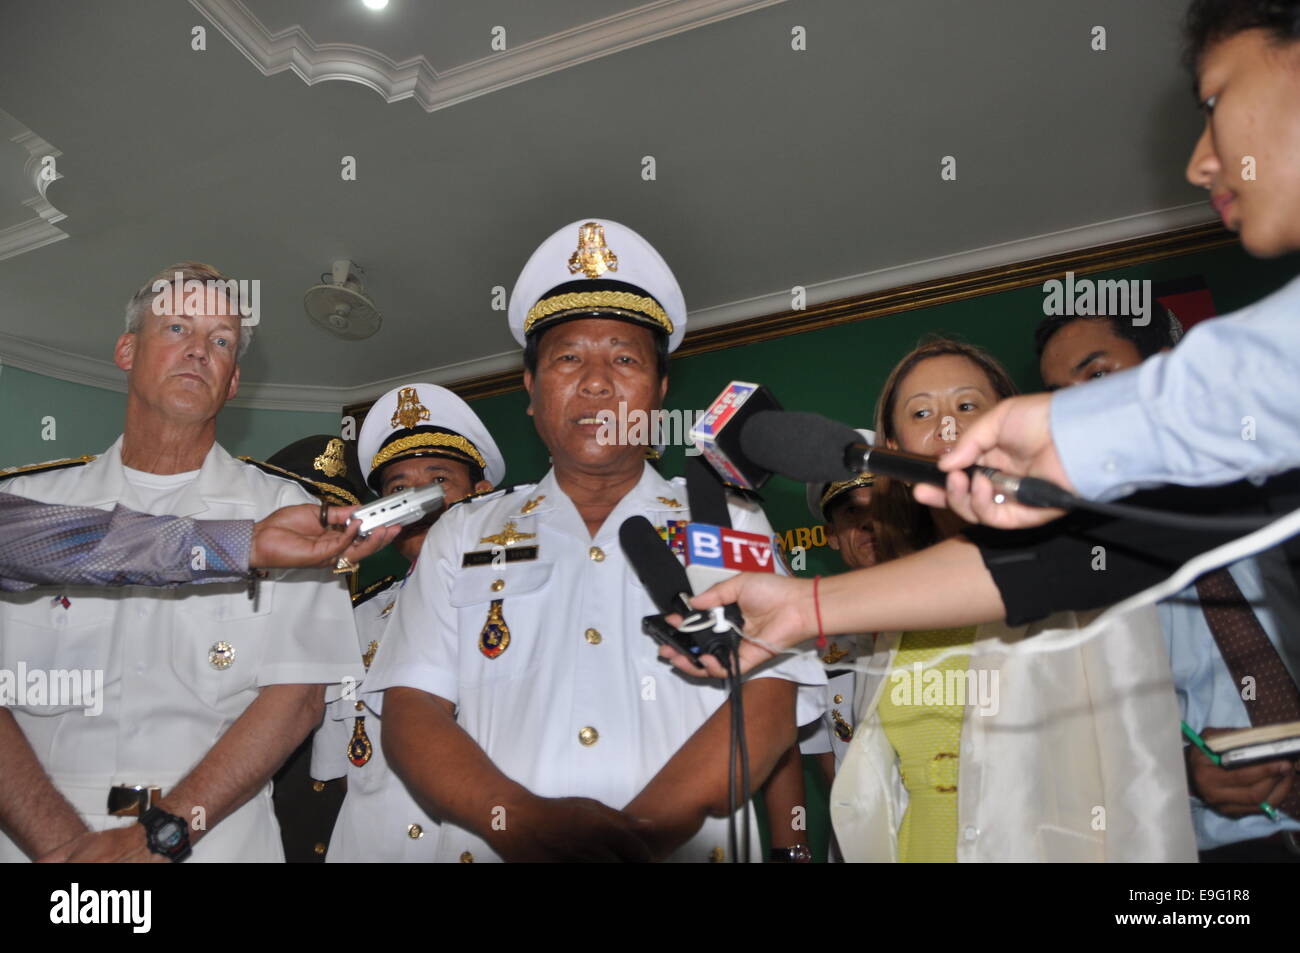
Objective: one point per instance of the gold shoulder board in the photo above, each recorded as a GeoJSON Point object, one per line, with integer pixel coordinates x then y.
{"type": "Point", "coordinates": [45, 467]}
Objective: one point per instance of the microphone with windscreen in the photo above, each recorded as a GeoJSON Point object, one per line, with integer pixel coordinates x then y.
{"type": "Point", "coordinates": [811, 448]}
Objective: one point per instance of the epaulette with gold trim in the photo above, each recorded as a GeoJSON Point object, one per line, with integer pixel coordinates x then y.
{"type": "Point", "coordinates": [5, 474]}
{"type": "Point", "coordinates": [273, 470]}
{"type": "Point", "coordinates": [374, 589]}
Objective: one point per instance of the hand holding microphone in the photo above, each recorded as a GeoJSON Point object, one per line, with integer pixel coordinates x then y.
{"type": "Point", "coordinates": [1016, 436]}
{"type": "Point", "coordinates": [778, 613]}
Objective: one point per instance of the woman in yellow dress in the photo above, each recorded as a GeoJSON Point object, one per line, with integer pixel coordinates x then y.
{"type": "Point", "coordinates": [964, 752]}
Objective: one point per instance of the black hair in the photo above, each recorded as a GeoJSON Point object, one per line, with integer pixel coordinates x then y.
{"type": "Point", "coordinates": [1209, 21]}
{"type": "Point", "coordinates": [531, 344]}
{"type": "Point", "coordinates": [1156, 335]}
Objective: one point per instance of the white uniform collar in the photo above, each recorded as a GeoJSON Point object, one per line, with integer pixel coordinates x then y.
{"type": "Point", "coordinates": [220, 479]}
{"type": "Point", "coordinates": [651, 494]}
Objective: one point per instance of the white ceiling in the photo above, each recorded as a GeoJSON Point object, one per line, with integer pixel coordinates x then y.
{"type": "Point", "coordinates": [775, 167]}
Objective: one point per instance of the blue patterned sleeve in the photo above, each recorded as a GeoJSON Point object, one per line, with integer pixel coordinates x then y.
{"type": "Point", "coordinates": [48, 544]}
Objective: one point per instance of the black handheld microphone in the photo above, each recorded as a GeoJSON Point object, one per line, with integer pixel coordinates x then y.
{"type": "Point", "coordinates": [656, 566]}
{"type": "Point", "coordinates": [814, 449]}
{"type": "Point", "coordinates": [665, 580]}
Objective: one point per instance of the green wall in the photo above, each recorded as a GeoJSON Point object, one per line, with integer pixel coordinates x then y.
{"type": "Point", "coordinates": [88, 419]}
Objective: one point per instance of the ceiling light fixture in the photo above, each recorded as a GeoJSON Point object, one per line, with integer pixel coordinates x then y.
{"type": "Point", "coordinates": [375, 4]}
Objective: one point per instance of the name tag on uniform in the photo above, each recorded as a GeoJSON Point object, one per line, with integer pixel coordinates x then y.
{"type": "Point", "coordinates": [485, 557]}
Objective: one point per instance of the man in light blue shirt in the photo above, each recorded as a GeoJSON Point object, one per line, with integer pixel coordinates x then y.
{"type": "Point", "coordinates": [1210, 699]}
{"type": "Point", "coordinates": [1229, 823]}
{"type": "Point", "coordinates": [1227, 404]}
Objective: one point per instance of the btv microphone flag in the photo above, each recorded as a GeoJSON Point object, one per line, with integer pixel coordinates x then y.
{"type": "Point", "coordinates": [717, 432]}
{"type": "Point", "coordinates": [715, 553]}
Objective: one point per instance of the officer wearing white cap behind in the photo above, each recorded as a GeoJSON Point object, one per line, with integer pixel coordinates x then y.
{"type": "Point", "coordinates": [412, 436]}
{"type": "Point", "coordinates": [844, 507]}
{"type": "Point", "coordinates": [524, 706]}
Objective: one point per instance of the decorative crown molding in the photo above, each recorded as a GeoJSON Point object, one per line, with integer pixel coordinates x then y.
{"type": "Point", "coordinates": [38, 230]}
{"type": "Point", "coordinates": [294, 49]}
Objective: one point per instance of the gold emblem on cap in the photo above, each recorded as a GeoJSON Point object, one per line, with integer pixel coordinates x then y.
{"type": "Point", "coordinates": [332, 462]}
{"type": "Point", "coordinates": [409, 411]}
{"type": "Point", "coordinates": [221, 656]}
{"type": "Point", "coordinates": [507, 536]}
{"type": "Point", "coordinates": [593, 257]}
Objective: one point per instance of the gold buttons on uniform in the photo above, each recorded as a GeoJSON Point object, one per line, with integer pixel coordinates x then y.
{"type": "Point", "coordinates": [415, 832]}
{"type": "Point", "coordinates": [589, 736]}
{"type": "Point", "coordinates": [593, 636]}
{"type": "Point", "coordinates": [498, 585]}
{"type": "Point", "coordinates": [597, 554]}
{"type": "Point", "coordinates": [467, 858]}
{"type": "Point", "coordinates": [717, 855]}
{"type": "Point", "coordinates": [839, 699]}
{"type": "Point", "coordinates": [318, 786]}
{"type": "Point", "coordinates": [360, 707]}
{"type": "Point", "coordinates": [319, 848]}
{"type": "Point", "coordinates": [221, 656]}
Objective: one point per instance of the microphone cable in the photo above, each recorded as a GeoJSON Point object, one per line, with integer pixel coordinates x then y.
{"type": "Point", "coordinates": [739, 740]}
{"type": "Point", "coordinates": [738, 745]}
{"type": "Point", "coordinates": [1032, 491]}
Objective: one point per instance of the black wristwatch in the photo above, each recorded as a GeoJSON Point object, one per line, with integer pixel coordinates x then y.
{"type": "Point", "coordinates": [798, 854]}
{"type": "Point", "coordinates": [167, 834]}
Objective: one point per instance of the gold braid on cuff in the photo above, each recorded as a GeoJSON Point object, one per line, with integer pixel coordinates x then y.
{"type": "Point", "coordinates": [421, 441]}
{"type": "Point", "coordinates": [623, 303]}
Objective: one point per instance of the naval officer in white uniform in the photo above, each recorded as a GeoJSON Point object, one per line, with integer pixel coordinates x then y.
{"type": "Point", "coordinates": [412, 436]}
{"type": "Point", "coordinates": [844, 507]}
{"type": "Point", "coordinates": [524, 705]}
{"type": "Point", "coordinates": [205, 689]}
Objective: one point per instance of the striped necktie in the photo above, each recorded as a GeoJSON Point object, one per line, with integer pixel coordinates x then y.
{"type": "Point", "coordinates": [1249, 654]}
